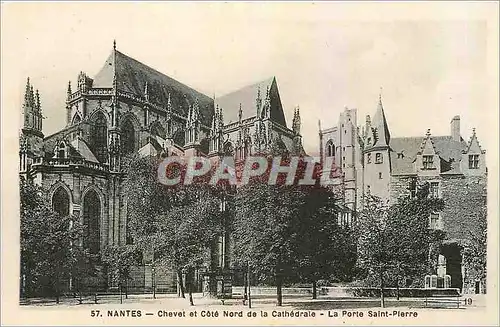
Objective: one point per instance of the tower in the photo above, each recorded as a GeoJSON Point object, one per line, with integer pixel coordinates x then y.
{"type": "Point", "coordinates": [215, 143]}
{"type": "Point", "coordinates": [192, 132]}
{"type": "Point", "coordinates": [297, 137]}
{"type": "Point", "coordinates": [376, 152]}
{"type": "Point", "coordinates": [31, 135]}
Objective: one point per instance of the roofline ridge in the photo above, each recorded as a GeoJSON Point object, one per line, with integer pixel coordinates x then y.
{"type": "Point", "coordinates": [158, 72]}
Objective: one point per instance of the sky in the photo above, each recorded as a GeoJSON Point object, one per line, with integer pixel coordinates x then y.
{"type": "Point", "coordinates": [429, 61]}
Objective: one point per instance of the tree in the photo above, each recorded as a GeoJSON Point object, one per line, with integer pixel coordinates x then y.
{"type": "Point", "coordinates": [327, 250]}
{"type": "Point", "coordinates": [285, 231]}
{"type": "Point", "coordinates": [49, 244]}
{"type": "Point", "coordinates": [119, 260]}
{"type": "Point", "coordinates": [186, 232]}
{"type": "Point", "coordinates": [411, 238]}
{"type": "Point", "coordinates": [475, 247]}
{"type": "Point", "coordinates": [264, 233]}
{"type": "Point", "coordinates": [374, 256]}
{"type": "Point", "coordinates": [395, 241]}
{"type": "Point", "coordinates": [177, 223]}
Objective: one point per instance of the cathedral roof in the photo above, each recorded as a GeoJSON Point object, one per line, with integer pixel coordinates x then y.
{"type": "Point", "coordinates": [247, 96]}
{"type": "Point", "coordinates": [132, 76]}
{"type": "Point", "coordinates": [449, 150]}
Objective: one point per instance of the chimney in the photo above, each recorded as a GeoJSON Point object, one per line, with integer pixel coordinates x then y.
{"type": "Point", "coordinates": [455, 128]}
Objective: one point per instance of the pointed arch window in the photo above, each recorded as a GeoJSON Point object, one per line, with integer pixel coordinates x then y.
{"type": "Point", "coordinates": [91, 220]}
{"type": "Point", "coordinates": [61, 151]}
{"type": "Point", "coordinates": [99, 137]}
{"type": "Point", "coordinates": [128, 137]}
{"type": "Point", "coordinates": [157, 130]}
{"type": "Point", "coordinates": [228, 149]}
{"type": "Point", "coordinates": [76, 119]}
{"type": "Point", "coordinates": [60, 202]}
{"type": "Point", "coordinates": [330, 149]}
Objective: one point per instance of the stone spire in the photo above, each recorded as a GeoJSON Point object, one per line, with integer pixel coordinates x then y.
{"type": "Point", "coordinates": [27, 101]}
{"type": "Point", "coordinates": [258, 103]}
{"type": "Point", "coordinates": [240, 114]}
{"type": "Point", "coordinates": [296, 120]}
{"type": "Point", "coordinates": [68, 93]}
{"type": "Point", "coordinates": [380, 124]}
{"type": "Point", "coordinates": [37, 97]}
{"type": "Point", "coordinates": [196, 110]}
{"type": "Point", "coordinates": [266, 109]}
{"type": "Point", "coordinates": [221, 119]}
{"type": "Point", "coordinates": [169, 105]}
{"type": "Point", "coordinates": [32, 97]}
{"type": "Point", "coordinates": [32, 109]}
{"type": "Point", "coordinates": [146, 93]}
{"type": "Point", "coordinates": [214, 118]}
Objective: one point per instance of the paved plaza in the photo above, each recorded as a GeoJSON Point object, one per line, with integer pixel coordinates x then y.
{"type": "Point", "coordinates": [171, 301]}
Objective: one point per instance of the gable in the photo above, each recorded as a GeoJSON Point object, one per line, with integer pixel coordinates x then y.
{"type": "Point", "coordinates": [428, 147]}
{"type": "Point", "coordinates": [474, 146]}
{"type": "Point", "coordinates": [247, 97]}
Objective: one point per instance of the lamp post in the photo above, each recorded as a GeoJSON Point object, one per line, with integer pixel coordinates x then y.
{"type": "Point", "coordinates": [153, 280]}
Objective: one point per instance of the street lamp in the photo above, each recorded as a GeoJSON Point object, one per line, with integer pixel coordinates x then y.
{"type": "Point", "coordinates": [153, 280]}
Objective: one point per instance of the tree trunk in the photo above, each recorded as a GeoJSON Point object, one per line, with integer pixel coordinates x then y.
{"type": "Point", "coordinates": [126, 288]}
{"type": "Point", "coordinates": [248, 281]}
{"type": "Point", "coordinates": [189, 284]}
{"type": "Point", "coordinates": [180, 284]}
{"type": "Point", "coordinates": [279, 291]}
{"type": "Point", "coordinates": [382, 300]}
{"type": "Point", "coordinates": [315, 295]}
{"type": "Point", "coordinates": [190, 295]}
{"type": "Point", "coordinates": [121, 294]}
{"type": "Point", "coordinates": [397, 285]}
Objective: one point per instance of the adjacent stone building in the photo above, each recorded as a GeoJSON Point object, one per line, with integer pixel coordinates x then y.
{"type": "Point", "coordinates": [389, 167]}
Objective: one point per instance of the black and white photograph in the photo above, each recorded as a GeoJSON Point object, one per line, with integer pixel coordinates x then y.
{"type": "Point", "coordinates": [254, 163]}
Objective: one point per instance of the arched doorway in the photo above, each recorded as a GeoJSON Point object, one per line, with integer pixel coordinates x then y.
{"type": "Point", "coordinates": [60, 202]}
{"type": "Point", "coordinates": [91, 221]}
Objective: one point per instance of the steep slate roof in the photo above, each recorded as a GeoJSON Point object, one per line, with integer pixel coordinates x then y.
{"type": "Point", "coordinates": [246, 96]}
{"type": "Point", "coordinates": [132, 76]}
{"type": "Point", "coordinates": [449, 151]}
{"type": "Point", "coordinates": [380, 123]}
{"type": "Point", "coordinates": [83, 150]}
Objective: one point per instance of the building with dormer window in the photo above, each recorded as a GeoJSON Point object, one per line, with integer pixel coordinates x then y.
{"type": "Point", "coordinates": [390, 167]}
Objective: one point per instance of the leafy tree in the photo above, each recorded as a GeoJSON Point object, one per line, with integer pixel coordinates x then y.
{"type": "Point", "coordinates": [177, 223]}
{"type": "Point", "coordinates": [475, 249]}
{"type": "Point", "coordinates": [394, 242]}
{"type": "Point", "coordinates": [374, 256]}
{"type": "Point", "coordinates": [49, 244]}
{"type": "Point", "coordinates": [284, 232]}
{"type": "Point", "coordinates": [119, 260]}
{"type": "Point", "coordinates": [186, 232]}
{"type": "Point", "coordinates": [411, 239]}
{"type": "Point", "coordinates": [326, 250]}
